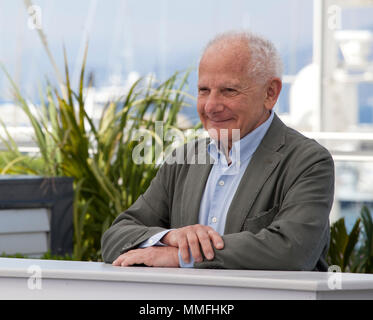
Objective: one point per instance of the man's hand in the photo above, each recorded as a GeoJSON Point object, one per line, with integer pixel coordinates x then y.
{"type": "Point", "coordinates": [193, 237]}
{"type": "Point", "coordinates": [151, 256]}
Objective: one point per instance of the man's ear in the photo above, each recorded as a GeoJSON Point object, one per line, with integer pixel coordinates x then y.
{"type": "Point", "coordinates": [273, 91]}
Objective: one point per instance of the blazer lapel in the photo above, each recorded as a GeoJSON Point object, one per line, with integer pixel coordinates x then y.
{"type": "Point", "coordinates": [262, 164]}
{"type": "Point", "coordinates": [195, 185]}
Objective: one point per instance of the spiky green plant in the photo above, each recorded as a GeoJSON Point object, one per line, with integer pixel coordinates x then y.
{"type": "Point", "coordinates": [364, 255]}
{"type": "Point", "coordinates": [97, 156]}
{"type": "Point", "coordinates": [352, 252]}
{"type": "Point", "coordinates": [342, 244]}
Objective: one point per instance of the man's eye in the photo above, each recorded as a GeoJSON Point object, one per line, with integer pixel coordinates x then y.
{"type": "Point", "coordinates": [229, 91]}
{"type": "Point", "coordinates": [202, 90]}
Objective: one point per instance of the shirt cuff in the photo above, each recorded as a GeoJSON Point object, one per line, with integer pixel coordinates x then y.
{"type": "Point", "coordinates": [182, 264]}
{"type": "Point", "coordinates": [154, 240]}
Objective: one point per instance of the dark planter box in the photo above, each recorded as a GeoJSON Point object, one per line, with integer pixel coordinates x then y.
{"type": "Point", "coordinates": [36, 212]}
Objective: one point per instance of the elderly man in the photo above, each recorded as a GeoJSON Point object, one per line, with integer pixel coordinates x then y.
{"type": "Point", "coordinates": [263, 202]}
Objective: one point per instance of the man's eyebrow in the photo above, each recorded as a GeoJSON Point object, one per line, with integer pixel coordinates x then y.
{"type": "Point", "coordinates": [231, 85]}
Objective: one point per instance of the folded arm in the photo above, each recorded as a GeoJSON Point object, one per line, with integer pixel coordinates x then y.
{"type": "Point", "coordinates": [296, 237]}
{"type": "Point", "coordinates": [148, 216]}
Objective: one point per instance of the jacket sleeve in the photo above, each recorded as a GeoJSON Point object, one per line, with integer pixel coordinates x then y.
{"type": "Point", "coordinates": [148, 216]}
{"type": "Point", "coordinates": [299, 232]}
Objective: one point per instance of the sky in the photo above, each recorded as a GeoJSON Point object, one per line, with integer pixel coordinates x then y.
{"type": "Point", "coordinates": [158, 36]}
{"type": "Point", "coordinates": [144, 35]}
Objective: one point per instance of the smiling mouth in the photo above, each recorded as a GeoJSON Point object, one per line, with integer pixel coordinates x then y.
{"type": "Point", "coordinates": [219, 121]}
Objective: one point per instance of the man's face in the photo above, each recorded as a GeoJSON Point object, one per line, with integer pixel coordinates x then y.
{"type": "Point", "coordinates": [227, 97]}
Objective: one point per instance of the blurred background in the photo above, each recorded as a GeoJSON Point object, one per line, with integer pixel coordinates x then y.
{"type": "Point", "coordinates": [326, 48]}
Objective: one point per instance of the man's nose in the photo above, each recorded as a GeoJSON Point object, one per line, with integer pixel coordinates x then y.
{"type": "Point", "coordinates": [213, 103]}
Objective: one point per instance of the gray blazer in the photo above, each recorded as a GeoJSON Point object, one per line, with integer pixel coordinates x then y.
{"type": "Point", "coordinates": [278, 218]}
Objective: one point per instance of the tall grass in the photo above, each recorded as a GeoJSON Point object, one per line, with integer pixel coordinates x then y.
{"type": "Point", "coordinates": [98, 155]}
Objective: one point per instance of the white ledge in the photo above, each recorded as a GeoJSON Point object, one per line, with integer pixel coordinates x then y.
{"type": "Point", "coordinates": [96, 280]}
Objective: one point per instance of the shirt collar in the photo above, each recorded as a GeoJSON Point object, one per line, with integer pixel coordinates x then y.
{"type": "Point", "coordinates": [242, 149]}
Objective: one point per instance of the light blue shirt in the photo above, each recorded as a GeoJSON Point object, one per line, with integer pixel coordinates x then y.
{"type": "Point", "coordinates": [221, 184]}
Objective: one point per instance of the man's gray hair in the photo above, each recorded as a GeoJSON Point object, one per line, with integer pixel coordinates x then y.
{"type": "Point", "coordinates": [265, 61]}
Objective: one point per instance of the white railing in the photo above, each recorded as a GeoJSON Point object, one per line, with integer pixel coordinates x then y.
{"type": "Point", "coordinates": [49, 279]}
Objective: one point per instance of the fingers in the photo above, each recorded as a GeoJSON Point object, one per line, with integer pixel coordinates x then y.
{"type": "Point", "coordinates": [208, 238]}
{"type": "Point", "coordinates": [217, 240]}
{"type": "Point", "coordinates": [197, 237]}
{"type": "Point", "coordinates": [130, 258]}
{"type": "Point", "coordinates": [151, 257]}
{"type": "Point", "coordinates": [193, 242]}
{"type": "Point", "coordinates": [118, 260]}
{"type": "Point", "coordinates": [190, 240]}
{"type": "Point", "coordinates": [184, 247]}
{"type": "Point", "coordinates": [205, 243]}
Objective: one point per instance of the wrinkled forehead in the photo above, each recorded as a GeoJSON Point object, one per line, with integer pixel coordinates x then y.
{"type": "Point", "coordinates": [226, 55]}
